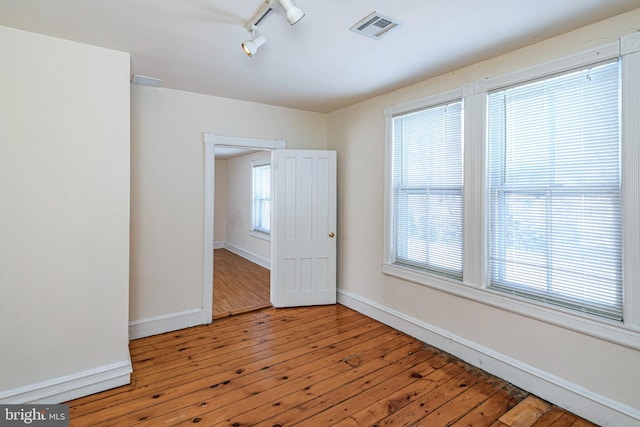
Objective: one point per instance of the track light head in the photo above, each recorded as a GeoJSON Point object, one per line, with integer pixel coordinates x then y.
{"type": "Point", "coordinates": [250, 47]}
{"type": "Point", "coordinates": [294, 13]}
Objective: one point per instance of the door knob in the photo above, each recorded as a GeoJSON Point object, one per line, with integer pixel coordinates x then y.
{"type": "Point", "coordinates": [331, 234]}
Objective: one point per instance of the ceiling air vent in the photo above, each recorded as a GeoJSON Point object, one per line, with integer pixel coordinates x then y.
{"type": "Point", "coordinates": [375, 26]}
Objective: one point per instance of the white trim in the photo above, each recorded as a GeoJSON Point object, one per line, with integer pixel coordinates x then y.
{"type": "Point", "coordinates": [218, 245]}
{"type": "Point", "coordinates": [389, 201]}
{"type": "Point", "coordinates": [211, 140]}
{"type": "Point", "coordinates": [256, 163]}
{"type": "Point", "coordinates": [585, 403]}
{"type": "Point", "coordinates": [260, 235]}
{"type": "Point", "coordinates": [429, 101]}
{"type": "Point", "coordinates": [166, 323]}
{"type": "Point", "coordinates": [209, 209]}
{"type": "Point", "coordinates": [630, 43]}
{"type": "Point", "coordinates": [254, 258]}
{"type": "Point", "coordinates": [72, 386]}
{"type": "Point", "coordinates": [474, 247]}
{"type": "Point", "coordinates": [631, 183]}
{"type": "Point", "coordinates": [607, 330]}
{"type": "Point", "coordinates": [236, 141]}
{"type": "Point", "coordinates": [602, 53]}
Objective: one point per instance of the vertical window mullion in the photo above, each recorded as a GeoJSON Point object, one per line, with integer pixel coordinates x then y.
{"type": "Point", "coordinates": [630, 46]}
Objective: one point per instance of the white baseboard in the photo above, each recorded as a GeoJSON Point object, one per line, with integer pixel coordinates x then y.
{"type": "Point", "coordinates": [72, 386]}
{"type": "Point", "coordinates": [248, 255]}
{"type": "Point", "coordinates": [218, 245]}
{"type": "Point", "coordinates": [166, 323]}
{"type": "Point", "coordinates": [574, 398]}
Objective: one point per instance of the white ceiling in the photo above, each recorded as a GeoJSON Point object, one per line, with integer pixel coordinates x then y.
{"type": "Point", "coordinates": [317, 64]}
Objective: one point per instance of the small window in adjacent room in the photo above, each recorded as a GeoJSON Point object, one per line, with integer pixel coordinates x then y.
{"type": "Point", "coordinates": [555, 230]}
{"type": "Point", "coordinates": [427, 189]}
{"type": "Point", "coordinates": [261, 199]}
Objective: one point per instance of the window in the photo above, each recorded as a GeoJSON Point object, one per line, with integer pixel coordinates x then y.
{"type": "Point", "coordinates": [555, 190]}
{"type": "Point", "coordinates": [542, 220]}
{"type": "Point", "coordinates": [261, 221]}
{"type": "Point", "coordinates": [427, 189]}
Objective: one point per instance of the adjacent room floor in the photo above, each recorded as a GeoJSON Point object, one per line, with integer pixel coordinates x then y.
{"type": "Point", "coordinates": [239, 285]}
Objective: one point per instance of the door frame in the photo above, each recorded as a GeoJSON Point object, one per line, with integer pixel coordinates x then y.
{"type": "Point", "coordinates": [210, 140]}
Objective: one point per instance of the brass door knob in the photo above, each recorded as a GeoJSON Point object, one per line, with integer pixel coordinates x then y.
{"type": "Point", "coordinates": [331, 234]}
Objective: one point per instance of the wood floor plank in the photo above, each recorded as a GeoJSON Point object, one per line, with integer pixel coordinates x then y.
{"type": "Point", "coordinates": [219, 370]}
{"type": "Point", "coordinates": [246, 386]}
{"type": "Point", "coordinates": [432, 400]}
{"type": "Point", "coordinates": [463, 403]}
{"type": "Point", "coordinates": [156, 374]}
{"type": "Point", "coordinates": [491, 409]}
{"type": "Point", "coordinates": [305, 366]}
{"type": "Point", "coordinates": [406, 396]}
{"type": "Point", "coordinates": [270, 396]}
{"type": "Point", "coordinates": [159, 377]}
{"type": "Point", "coordinates": [556, 418]}
{"type": "Point", "coordinates": [314, 366]}
{"type": "Point", "coordinates": [582, 423]}
{"type": "Point", "coordinates": [526, 412]}
{"type": "Point", "coordinates": [238, 285]}
{"type": "Point", "coordinates": [318, 382]}
{"type": "Point", "coordinates": [238, 342]}
{"type": "Point", "coordinates": [332, 392]}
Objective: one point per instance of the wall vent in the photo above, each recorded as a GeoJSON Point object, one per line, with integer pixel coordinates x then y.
{"type": "Point", "coordinates": [375, 26]}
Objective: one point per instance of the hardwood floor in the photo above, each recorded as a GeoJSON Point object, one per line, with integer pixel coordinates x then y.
{"type": "Point", "coordinates": [239, 285]}
{"type": "Point", "coordinates": [313, 366]}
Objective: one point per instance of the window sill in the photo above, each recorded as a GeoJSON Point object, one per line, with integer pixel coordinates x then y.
{"type": "Point", "coordinates": [260, 235]}
{"type": "Point", "coordinates": [604, 329]}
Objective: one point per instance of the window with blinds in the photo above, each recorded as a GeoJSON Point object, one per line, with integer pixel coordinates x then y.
{"type": "Point", "coordinates": [555, 220]}
{"type": "Point", "coordinates": [427, 189]}
{"type": "Point", "coordinates": [262, 198]}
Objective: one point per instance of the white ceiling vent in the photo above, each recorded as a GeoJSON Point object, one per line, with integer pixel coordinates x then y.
{"type": "Point", "coordinates": [375, 26]}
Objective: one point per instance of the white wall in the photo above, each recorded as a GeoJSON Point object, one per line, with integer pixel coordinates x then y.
{"type": "Point", "coordinates": [238, 204]}
{"type": "Point", "coordinates": [220, 204]}
{"type": "Point", "coordinates": [587, 366]}
{"type": "Point", "coordinates": [167, 185]}
{"type": "Point", "coordinates": [64, 220]}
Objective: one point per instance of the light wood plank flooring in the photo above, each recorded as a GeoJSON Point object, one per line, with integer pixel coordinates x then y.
{"type": "Point", "coordinates": [314, 366]}
{"type": "Point", "coordinates": [239, 285]}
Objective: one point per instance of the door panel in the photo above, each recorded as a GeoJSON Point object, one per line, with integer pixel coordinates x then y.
{"type": "Point", "coordinates": [304, 246]}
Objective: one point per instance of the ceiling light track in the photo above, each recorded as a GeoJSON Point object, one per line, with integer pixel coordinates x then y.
{"type": "Point", "coordinates": [293, 13]}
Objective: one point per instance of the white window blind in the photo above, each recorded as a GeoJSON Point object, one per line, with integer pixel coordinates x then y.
{"type": "Point", "coordinates": [555, 190]}
{"type": "Point", "coordinates": [262, 198]}
{"type": "Point", "coordinates": [427, 185]}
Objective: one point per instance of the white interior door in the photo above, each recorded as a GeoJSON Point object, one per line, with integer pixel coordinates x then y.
{"type": "Point", "coordinates": [304, 248]}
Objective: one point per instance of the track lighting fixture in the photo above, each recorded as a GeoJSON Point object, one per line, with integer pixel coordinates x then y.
{"type": "Point", "coordinates": [293, 14]}
{"type": "Point", "coordinates": [250, 47]}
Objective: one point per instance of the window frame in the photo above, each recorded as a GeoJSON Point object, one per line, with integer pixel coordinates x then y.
{"type": "Point", "coordinates": [550, 192]}
{"type": "Point", "coordinates": [475, 281]}
{"type": "Point", "coordinates": [396, 258]}
{"type": "Point", "coordinates": [256, 231]}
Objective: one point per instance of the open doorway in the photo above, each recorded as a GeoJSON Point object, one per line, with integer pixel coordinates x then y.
{"type": "Point", "coordinates": [242, 230]}
{"type": "Point", "coordinates": [303, 219]}
{"type": "Point", "coordinates": [236, 243]}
